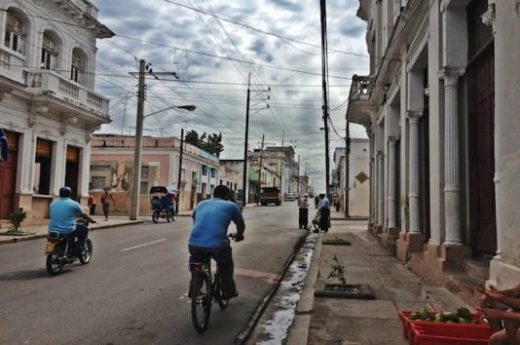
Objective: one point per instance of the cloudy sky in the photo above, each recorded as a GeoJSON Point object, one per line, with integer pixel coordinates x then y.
{"type": "Point", "coordinates": [213, 45]}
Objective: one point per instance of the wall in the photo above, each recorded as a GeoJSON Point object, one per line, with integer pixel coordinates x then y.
{"type": "Point", "coordinates": [359, 193]}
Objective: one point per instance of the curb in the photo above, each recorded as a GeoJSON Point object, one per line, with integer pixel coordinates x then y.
{"type": "Point", "coordinates": [244, 335]}
{"type": "Point", "coordinates": [38, 236]}
{"type": "Point", "coordinates": [299, 331]}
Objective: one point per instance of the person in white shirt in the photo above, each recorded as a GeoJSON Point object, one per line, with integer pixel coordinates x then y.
{"type": "Point", "coordinates": [303, 207]}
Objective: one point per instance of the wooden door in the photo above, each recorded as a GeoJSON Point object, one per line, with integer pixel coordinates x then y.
{"type": "Point", "coordinates": [481, 106]}
{"type": "Point", "coordinates": [72, 170]}
{"type": "Point", "coordinates": [8, 177]}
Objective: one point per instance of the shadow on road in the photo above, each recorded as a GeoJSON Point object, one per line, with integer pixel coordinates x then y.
{"type": "Point", "coordinates": [28, 275]}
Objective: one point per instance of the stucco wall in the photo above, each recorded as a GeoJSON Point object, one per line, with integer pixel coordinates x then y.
{"type": "Point", "coordinates": [359, 193]}
{"type": "Point", "coordinates": [507, 141]}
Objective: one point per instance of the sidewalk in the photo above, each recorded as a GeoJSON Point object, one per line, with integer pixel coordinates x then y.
{"type": "Point", "coordinates": [40, 231]}
{"type": "Point", "coordinates": [327, 321]}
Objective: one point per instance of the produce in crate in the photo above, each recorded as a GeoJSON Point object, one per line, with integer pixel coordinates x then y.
{"type": "Point", "coordinates": [462, 315]}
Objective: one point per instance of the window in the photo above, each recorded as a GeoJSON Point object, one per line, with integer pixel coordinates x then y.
{"type": "Point", "coordinates": [98, 182]}
{"type": "Point", "coordinates": [78, 66]}
{"type": "Point", "coordinates": [42, 167]}
{"type": "Point", "coordinates": [15, 32]}
{"type": "Point", "coordinates": [213, 172]}
{"type": "Point", "coordinates": [49, 51]}
{"type": "Point", "coordinates": [204, 170]}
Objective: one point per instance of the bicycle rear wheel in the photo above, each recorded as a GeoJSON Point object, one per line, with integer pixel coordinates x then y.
{"type": "Point", "coordinates": [201, 304]}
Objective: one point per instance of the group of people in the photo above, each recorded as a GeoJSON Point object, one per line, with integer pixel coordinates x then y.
{"type": "Point", "coordinates": [106, 199]}
{"type": "Point", "coordinates": [321, 220]}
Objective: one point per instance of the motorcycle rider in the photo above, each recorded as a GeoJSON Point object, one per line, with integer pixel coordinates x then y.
{"type": "Point", "coordinates": [211, 219]}
{"type": "Point", "coordinates": [63, 213]}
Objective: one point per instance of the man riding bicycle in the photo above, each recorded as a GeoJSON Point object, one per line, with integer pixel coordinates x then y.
{"type": "Point", "coordinates": [63, 213]}
{"type": "Point", "coordinates": [211, 219]}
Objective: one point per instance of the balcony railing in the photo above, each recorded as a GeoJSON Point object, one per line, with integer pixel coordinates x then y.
{"type": "Point", "coordinates": [360, 89]}
{"type": "Point", "coordinates": [67, 90]}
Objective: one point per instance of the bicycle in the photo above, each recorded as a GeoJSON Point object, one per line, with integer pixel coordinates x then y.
{"type": "Point", "coordinates": [205, 295]}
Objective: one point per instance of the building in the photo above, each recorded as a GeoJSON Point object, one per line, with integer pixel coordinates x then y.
{"type": "Point", "coordinates": [357, 192]}
{"type": "Point", "coordinates": [112, 166]}
{"type": "Point", "coordinates": [281, 159]}
{"type": "Point", "coordinates": [440, 106]}
{"type": "Point", "coordinates": [47, 101]}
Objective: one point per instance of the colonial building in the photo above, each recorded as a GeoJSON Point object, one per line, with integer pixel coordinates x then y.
{"type": "Point", "coordinates": [47, 101]}
{"type": "Point", "coordinates": [281, 159]}
{"type": "Point", "coordinates": [112, 166]}
{"type": "Point", "coordinates": [441, 109]}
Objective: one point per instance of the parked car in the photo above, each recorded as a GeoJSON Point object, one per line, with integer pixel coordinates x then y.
{"type": "Point", "coordinates": [291, 196]}
{"type": "Point", "coordinates": [270, 195]}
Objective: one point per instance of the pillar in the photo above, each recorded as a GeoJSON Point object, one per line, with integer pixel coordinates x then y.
{"type": "Point", "coordinates": [392, 198]}
{"type": "Point", "coordinates": [451, 157]}
{"type": "Point", "coordinates": [380, 189]}
{"type": "Point", "coordinates": [413, 172]}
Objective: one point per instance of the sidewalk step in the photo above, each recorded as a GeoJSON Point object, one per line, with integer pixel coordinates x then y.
{"type": "Point", "coordinates": [464, 285]}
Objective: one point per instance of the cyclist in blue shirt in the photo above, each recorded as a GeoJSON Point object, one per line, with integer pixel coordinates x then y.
{"type": "Point", "coordinates": [211, 219]}
{"type": "Point", "coordinates": [63, 213]}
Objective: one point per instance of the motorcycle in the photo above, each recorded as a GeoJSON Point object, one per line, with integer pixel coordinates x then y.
{"type": "Point", "coordinates": [62, 249]}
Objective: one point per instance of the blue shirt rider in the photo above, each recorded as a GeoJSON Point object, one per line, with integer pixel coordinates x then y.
{"type": "Point", "coordinates": [63, 213]}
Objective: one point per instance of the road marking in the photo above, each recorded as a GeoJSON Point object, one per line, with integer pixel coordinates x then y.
{"type": "Point", "coordinates": [143, 245]}
{"type": "Point", "coordinates": [268, 277]}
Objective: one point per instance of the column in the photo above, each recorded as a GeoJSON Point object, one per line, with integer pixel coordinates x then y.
{"type": "Point", "coordinates": [392, 198]}
{"type": "Point", "coordinates": [413, 172]}
{"type": "Point", "coordinates": [451, 157]}
{"type": "Point", "coordinates": [380, 189]}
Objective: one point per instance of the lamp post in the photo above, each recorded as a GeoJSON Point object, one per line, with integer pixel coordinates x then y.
{"type": "Point", "coordinates": [136, 183]}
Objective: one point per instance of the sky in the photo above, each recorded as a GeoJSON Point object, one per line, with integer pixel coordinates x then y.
{"type": "Point", "coordinates": [202, 52]}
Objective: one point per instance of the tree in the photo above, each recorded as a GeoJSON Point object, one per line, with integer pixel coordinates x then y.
{"type": "Point", "coordinates": [211, 143]}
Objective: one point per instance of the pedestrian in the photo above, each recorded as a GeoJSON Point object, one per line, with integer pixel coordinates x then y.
{"type": "Point", "coordinates": [92, 203]}
{"type": "Point", "coordinates": [324, 209]}
{"type": "Point", "coordinates": [106, 197]}
{"type": "Point", "coordinates": [336, 203]}
{"type": "Point", "coordinates": [303, 207]}
{"type": "Point", "coordinates": [316, 201]}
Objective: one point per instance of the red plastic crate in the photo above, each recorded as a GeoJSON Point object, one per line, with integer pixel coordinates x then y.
{"type": "Point", "coordinates": [432, 335]}
{"type": "Point", "coordinates": [480, 327]}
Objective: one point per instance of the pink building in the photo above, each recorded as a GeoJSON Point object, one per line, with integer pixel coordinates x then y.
{"type": "Point", "coordinates": [112, 166]}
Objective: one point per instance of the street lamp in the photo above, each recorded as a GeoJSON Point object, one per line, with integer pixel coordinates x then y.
{"type": "Point", "coordinates": [136, 183]}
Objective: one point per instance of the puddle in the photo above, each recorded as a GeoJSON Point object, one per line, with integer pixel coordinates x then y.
{"type": "Point", "coordinates": [283, 306]}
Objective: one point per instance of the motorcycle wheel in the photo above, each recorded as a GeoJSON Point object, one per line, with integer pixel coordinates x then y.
{"type": "Point", "coordinates": [85, 258]}
{"type": "Point", "coordinates": [155, 216]}
{"type": "Point", "coordinates": [53, 265]}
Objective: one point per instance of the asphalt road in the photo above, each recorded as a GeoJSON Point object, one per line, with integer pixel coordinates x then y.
{"type": "Point", "coordinates": [134, 291]}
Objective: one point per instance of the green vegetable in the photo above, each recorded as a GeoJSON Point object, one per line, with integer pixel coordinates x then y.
{"type": "Point", "coordinates": [423, 314]}
{"type": "Point", "coordinates": [413, 316]}
{"type": "Point", "coordinates": [464, 313]}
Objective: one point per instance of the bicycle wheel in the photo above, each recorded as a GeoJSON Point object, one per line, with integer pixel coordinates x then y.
{"type": "Point", "coordinates": [223, 303]}
{"type": "Point", "coordinates": [201, 304]}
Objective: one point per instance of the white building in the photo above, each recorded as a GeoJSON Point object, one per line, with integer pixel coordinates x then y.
{"type": "Point", "coordinates": [47, 102]}
{"type": "Point", "coordinates": [441, 109]}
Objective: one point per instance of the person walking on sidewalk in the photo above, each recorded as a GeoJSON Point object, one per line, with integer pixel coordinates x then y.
{"type": "Point", "coordinates": [105, 201]}
{"type": "Point", "coordinates": [324, 209]}
{"type": "Point", "coordinates": [303, 207]}
{"type": "Point", "coordinates": [92, 203]}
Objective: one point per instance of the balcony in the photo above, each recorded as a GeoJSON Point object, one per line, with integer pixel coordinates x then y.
{"type": "Point", "coordinates": [12, 65]}
{"type": "Point", "coordinates": [47, 82]}
{"type": "Point", "coordinates": [360, 108]}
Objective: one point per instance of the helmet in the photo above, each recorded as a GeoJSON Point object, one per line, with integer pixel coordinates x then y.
{"type": "Point", "coordinates": [65, 192]}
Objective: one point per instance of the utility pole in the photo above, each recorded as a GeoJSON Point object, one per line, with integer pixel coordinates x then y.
{"type": "Point", "coordinates": [298, 188]}
{"type": "Point", "coordinates": [124, 115]}
{"type": "Point", "coordinates": [282, 153]}
{"type": "Point", "coordinates": [245, 179]}
{"type": "Point", "coordinates": [136, 181]}
{"type": "Point", "coordinates": [347, 170]}
{"type": "Point", "coordinates": [324, 65]}
{"type": "Point", "coordinates": [180, 173]}
{"type": "Point", "coordinates": [260, 166]}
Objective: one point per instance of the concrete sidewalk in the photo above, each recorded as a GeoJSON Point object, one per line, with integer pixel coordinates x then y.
{"type": "Point", "coordinates": [327, 321]}
{"type": "Point", "coordinates": [40, 231]}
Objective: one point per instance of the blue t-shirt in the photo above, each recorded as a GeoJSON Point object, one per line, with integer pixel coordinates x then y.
{"type": "Point", "coordinates": [211, 221]}
{"type": "Point", "coordinates": [63, 213]}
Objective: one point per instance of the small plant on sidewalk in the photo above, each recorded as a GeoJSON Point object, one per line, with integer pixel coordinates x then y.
{"type": "Point", "coordinates": [338, 271]}
{"type": "Point", "coordinates": [17, 219]}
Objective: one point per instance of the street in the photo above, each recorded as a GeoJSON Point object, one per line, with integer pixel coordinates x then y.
{"type": "Point", "coordinates": [134, 291]}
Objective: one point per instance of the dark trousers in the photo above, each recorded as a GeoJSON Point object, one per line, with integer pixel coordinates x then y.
{"type": "Point", "coordinates": [92, 209]}
{"type": "Point", "coordinates": [81, 232]}
{"type": "Point", "coordinates": [106, 208]}
{"type": "Point", "coordinates": [304, 218]}
{"type": "Point", "coordinates": [325, 219]}
{"type": "Point", "coordinates": [224, 258]}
